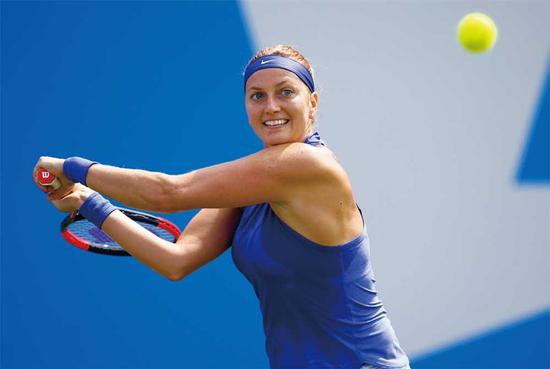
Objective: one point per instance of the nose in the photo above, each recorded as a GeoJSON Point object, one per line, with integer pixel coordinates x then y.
{"type": "Point", "coordinates": [271, 105]}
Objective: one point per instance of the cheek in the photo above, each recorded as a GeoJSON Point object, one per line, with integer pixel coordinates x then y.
{"type": "Point", "coordinates": [251, 111]}
{"type": "Point", "coordinates": [301, 110]}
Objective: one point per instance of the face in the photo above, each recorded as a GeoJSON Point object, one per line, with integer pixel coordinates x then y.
{"type": "Point", "coordinates": [280, 107]}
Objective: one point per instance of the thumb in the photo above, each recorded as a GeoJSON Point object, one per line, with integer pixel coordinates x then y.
{"type": "Point", "coordinates": [68, 203]}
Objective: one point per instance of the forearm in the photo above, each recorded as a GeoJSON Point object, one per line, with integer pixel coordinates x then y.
{"type": "Point", "coordinates": [133, 187]}
{"type": "Point", "coordinates": [158, 254]}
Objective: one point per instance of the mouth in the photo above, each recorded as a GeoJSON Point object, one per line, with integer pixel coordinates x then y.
{"type": "Point", "coordinates": [276, 122]}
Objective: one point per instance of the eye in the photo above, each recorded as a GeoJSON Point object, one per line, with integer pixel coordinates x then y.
{"type": "Point", "coordinates": [256, 96]}
{"type": "Point", "coordinates": [287, 92]}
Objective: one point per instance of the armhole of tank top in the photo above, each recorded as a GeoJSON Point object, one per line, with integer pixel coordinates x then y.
{"type": "Point", "coordinates": [362, 216]}
{"type": "Point", "coordinates": [306, 242]}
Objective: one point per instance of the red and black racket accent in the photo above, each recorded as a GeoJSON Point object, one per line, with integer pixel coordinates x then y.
{"type": "Point", "coordinates": [47, 179]}
{"type": "Point", "coordinates": [85, 235]}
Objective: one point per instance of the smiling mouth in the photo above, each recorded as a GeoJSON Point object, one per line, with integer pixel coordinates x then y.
{"type": "Point", "coordinates": [276, 122]}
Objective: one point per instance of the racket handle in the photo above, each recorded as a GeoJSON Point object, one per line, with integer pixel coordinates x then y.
{"type": "Point", "coordinates": [47, 179]}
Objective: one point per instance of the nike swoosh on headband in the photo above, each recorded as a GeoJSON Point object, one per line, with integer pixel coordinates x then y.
{"type": "Point", "coordinates": [277, 61]}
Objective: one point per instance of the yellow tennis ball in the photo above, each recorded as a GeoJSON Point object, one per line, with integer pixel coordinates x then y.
{"type": "Point", "coordinates": [477, 32]}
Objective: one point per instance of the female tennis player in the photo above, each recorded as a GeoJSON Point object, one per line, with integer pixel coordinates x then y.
{"type": "Point", "coordinates": [287, 211]}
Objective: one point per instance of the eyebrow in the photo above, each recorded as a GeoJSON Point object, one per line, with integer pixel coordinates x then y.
{"type": "Point", "coordinates": [286, 80]}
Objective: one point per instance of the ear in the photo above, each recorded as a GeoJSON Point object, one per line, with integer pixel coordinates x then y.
{"type": "Point", "coordinates": [313, 99]}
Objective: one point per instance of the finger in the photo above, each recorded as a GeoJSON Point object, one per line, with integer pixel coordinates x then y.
{"type": "Point", "coordinates": [61, 192]}
{"type": "Point", "coordinates": [54, 195]}
{"type": "Point", "coordinates": [55, 198]}
{"type": "Point", "coordinates": [39, 164]}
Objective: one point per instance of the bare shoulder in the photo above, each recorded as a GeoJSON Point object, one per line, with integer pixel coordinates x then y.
{"type": "Point", "coordinates": [320, 203]}
{"type": "Point", "coordinates": [304, 162]}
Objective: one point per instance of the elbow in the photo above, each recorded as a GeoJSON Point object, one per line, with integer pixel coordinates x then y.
{"type": "Point", "coordinates": [177, 275]}
{"type": "Point", "coordinates": [176, 267]}
{"type": "Point", "coordinates": [174, 277]}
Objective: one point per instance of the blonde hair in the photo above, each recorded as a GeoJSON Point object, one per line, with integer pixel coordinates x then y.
{"type": "Point", "coordinates": [286, 51]}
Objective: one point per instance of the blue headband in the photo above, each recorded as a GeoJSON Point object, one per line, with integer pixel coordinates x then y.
{"type": "Point", "coordinates": [277, 61]}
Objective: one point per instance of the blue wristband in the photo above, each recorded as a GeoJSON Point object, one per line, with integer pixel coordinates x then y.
{"type": "Point", "coordinates": [76, 168]}
{"type": "Point", "coordinates": [96, 209]}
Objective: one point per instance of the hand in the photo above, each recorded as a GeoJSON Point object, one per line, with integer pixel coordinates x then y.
{"type": "Point", "coordinates": [54, 166]}
{"type": "Point", "coordinates": [73, 200]}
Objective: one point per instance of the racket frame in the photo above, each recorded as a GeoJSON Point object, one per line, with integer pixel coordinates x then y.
{"type": "Point", "coordinates": [132, 214]}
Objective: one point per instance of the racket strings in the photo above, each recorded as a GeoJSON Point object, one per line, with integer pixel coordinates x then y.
{"type": "Point", "coordinates": [87, 231]}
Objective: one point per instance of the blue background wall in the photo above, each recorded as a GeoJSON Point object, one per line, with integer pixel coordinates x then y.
{"type": "Point", "coordinates": [140, 85]}
{"type": "Point", "coordinates": [158, 86]}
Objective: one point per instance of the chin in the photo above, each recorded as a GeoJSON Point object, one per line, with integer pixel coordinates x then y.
{"type": "Point", "coordinates": [276, 139]}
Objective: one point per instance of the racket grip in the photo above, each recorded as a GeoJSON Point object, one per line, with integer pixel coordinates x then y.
{"type": "Point", "coordinates": [47, 179]}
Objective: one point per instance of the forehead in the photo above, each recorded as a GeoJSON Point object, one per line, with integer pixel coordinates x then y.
{"type": "Point", "coordinates": [271, 77]}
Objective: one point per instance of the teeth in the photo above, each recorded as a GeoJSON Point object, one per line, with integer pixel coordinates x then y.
{"type": "Point", "coordinates": [278, 122]}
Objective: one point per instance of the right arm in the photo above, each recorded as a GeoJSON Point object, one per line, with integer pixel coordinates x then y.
{"type": "Point", "coordinates": [205, 237]}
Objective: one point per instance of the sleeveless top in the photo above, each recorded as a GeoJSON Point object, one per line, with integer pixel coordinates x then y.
{"type": "Point", "coordinates": [319, 303]}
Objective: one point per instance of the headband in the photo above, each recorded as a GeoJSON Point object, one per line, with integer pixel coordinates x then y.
{"type": "Point", "coordinates": [277, 61]}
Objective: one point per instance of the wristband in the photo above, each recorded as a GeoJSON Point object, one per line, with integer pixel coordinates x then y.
{"type": "Point", "coordinates": [76, 169]}
{"type": "Point", "coordinates": [96, 209]}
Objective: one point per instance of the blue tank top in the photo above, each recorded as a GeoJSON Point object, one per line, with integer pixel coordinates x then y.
{"type": "Point", "coordinates": [319, 304]}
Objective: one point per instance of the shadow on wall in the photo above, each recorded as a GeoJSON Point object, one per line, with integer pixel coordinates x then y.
{"type": "Point", "coordinates": [534, 167]}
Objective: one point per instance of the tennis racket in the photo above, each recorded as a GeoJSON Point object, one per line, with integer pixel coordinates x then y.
{"type": "Point", "coordinates": [85, 235]}
{"type": "Point", "coordinates": [47, 179]}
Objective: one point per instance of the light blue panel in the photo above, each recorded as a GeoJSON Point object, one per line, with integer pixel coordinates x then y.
{"type": "Point", "coordinates": [431, 136]}
{"type": "Point", "coordinates": [153, 85]}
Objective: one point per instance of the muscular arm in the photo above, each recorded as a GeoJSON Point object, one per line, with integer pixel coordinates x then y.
{"type": "Point", "coordinates": [270, 175]}
{"type": "Point", "coordinates": [135, 188]}
{"type": "Point", "coordinates": [206, 237]}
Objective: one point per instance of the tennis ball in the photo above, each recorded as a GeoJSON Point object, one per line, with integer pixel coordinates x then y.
{"type": "Point", "coordinates": [477, 32]}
